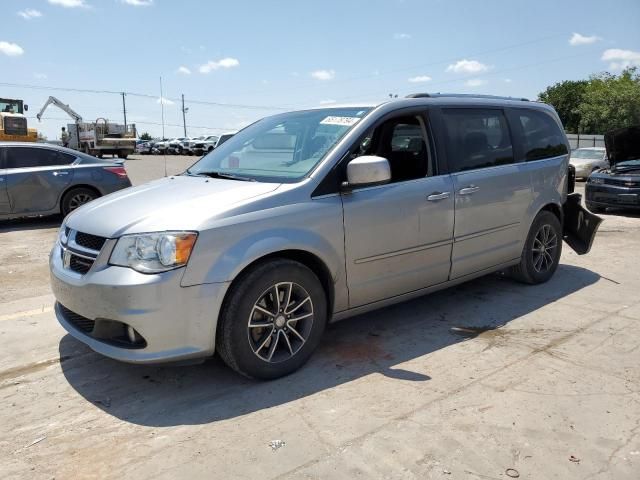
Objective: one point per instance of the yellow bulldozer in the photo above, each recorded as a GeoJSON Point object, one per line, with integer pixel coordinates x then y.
{"type": "Point", "coordinates": [13, 123]}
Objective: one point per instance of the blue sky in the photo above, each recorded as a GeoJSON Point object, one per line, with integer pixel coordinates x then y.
{"type": "Point", "coordinates": [292, 54]}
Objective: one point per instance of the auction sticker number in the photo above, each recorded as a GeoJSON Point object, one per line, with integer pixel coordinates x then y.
{"type": "Point", "coordinates": [342, 121]}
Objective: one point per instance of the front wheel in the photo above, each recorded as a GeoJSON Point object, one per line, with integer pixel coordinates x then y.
{"type": "Point", "coordinates": [272, 320]}
{"type": "Point", "coordinates": [541, 252]}
{"type": "Point", "coordinates": [76, 198]}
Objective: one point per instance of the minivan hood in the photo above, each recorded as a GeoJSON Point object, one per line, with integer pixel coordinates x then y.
{"type": "Point", "coordinates": [623, 144]}
{"type": "Point", "coordinates": [175, 203]}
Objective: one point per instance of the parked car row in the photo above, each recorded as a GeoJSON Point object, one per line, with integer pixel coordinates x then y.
{"type": "Point", "coordinates": [182, 145]}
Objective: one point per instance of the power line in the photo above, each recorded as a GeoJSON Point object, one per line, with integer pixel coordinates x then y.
{"type": "Point", "coordinates": [223, 129]}
{"type": "Point", "coordinates": [142, 95]}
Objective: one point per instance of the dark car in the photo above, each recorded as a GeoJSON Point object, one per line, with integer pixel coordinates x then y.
{"type": "Point", "coordinates": [43, 179]}
{"type": "Point", "coordinates": [619, 186]}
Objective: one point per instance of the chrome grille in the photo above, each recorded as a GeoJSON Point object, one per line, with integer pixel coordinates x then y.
{"type": "Point", "coordinates": [92, 242]}
{"type": "Point", "coordinates": [80, 250]}
{"type": "Point", "coordinates": [79, 264]}
{"type": "Point", "coordinates": [621, 183]}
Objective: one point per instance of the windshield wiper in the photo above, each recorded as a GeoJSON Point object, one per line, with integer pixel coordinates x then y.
{"type": "Point", "coordinates": [230, 176]}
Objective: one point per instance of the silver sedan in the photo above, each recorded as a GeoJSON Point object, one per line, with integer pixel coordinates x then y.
{"type": "Point", "coordinates": [42, 179]}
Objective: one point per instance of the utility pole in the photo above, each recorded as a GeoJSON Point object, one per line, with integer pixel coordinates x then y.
{"type": "Point", "coordinates": [162, 109]}
{"type": "Point", "coordinates": [124, 110]}
{"type": "Point", "coordinates": [184, 119]}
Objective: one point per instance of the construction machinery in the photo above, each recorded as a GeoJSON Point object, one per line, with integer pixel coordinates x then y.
{"type": "Point", "coordinates": [96, 138]}
{"type": "Point", "coordinates": [13, 123]}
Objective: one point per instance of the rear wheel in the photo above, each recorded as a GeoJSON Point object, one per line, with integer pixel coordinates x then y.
{"type": "Point", "coordinates": [541, 252]}
{"type": "Point", "coordinates": [76, 198]}
{"type": "Point", "coordinates": [123, 154]}
{"type": "Point", "coordinates": [272, 320]}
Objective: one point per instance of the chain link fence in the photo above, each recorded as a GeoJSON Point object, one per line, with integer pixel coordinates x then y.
{"type": "Point", "coordinates": [577, 140]}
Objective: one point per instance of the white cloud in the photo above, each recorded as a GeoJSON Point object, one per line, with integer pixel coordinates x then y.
{"type": "Point", "coordinates": [327, 102]}
{"type": "Point", "coordinates": [467, 66]}
{"type": "Point", "coordinates": [183, 70]}
{"type": "Point", "coordinates": [577, 39]}
{"type": "Point", "coordinates": [419, 79]}
{"type": "Point", "coordinates": [29, 13]}
{"type": "Point", "coordinates": [164, 101]}
{"type": "Point", "coordinates": [507, 80]}
{"type": "Point", "coordinates": [401, 36]}
{"type": "Point", "coordinates": [138, 3]}
{"type": "Point", "coordinates": [324, 74]}
{"type": "Point", "coordinates": [211, 65]}
{"type": "Point", "coordinates": [11, 49]}
{"type": "Point", "coordinates": [69, 3]}
{"type": "Point", "coordinates": [621, 59]}
{"type": "Point", "coordinates": [40, 76]}
{"type": "Point", "coordinates": [475, 82]}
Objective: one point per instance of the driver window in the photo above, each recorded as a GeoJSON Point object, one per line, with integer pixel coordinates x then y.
{"type": "Point", "coordinates": [403, 142]}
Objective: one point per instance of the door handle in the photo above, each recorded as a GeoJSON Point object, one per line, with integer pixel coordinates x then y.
{"type": "Point", "coordinates": [468, 190]}
{"type": "Point", "coordinates": [55, 174]}
{"type": "Point", "coordinates": [434, 197]}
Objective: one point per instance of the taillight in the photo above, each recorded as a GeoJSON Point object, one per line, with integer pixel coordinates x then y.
{"type": "Point", "coordinates": [119, 171]}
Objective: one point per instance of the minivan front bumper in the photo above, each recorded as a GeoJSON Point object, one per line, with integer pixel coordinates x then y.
{"type": "Point", "coordinates": [173, 322]}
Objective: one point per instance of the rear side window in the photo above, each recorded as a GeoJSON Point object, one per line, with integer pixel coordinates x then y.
{"type": "Point", "coordinates": [25, 157]}
{"type": "Point", "coordinates": [477, 138]}
{"type": "Point", "coordinates": [542, 136]}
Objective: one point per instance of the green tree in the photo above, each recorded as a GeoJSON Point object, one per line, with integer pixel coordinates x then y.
{"type": "Point", "coordinates": [611, 102]}
{"type": "Point", "coordinates": [146, 136]}
{"type": "Point", "coordinates": [566, 97]}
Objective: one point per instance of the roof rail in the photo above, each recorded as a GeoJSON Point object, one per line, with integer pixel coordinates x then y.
{"type": "Point", "coordinates": [462, 95]}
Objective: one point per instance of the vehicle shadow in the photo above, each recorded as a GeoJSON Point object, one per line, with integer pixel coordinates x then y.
{"type": "Point", "coordinates": [372, 343]}
{"type": "Point", "coordinates": [30, 223]}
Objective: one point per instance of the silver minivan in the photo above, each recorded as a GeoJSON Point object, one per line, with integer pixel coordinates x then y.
{"type": "Point", "coordinates": [313, 216]}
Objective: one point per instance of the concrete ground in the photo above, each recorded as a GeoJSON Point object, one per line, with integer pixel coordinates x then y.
{"type": "Point", "coordinates": [489, 380]}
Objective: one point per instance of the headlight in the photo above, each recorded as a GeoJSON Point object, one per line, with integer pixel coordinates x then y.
{"type": "Point", "coordinates": [153, 252]}
{"type": "Point", "coordinates": [62, 234]}
{"type": "Point", "coordinates": [596, 180]}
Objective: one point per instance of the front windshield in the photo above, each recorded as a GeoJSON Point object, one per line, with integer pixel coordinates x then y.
{"type": "Point", "coordinates": [588, 154]}
{"type": "Point", "coordinates": [282, 148]}
{"type": "Point", "coordinates": [10, 106]}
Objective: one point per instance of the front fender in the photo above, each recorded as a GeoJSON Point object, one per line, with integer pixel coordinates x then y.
{"type": "Point", "coordinates": [237, 256]}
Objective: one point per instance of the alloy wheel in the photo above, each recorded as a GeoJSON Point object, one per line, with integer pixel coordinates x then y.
{"type": "Point", "coordinates": [78, 200]}
{"type": "Point", "coordinates": [544, 248]}
{"type": "Point", "coordinates": [280, 322]}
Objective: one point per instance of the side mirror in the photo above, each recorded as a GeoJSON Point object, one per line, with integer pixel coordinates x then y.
{"type": "Point", "coordinates": [368, 170]}
{"type": "Point", "coordinates": [26, 108]}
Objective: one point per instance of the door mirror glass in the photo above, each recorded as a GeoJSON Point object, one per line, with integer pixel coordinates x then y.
{"type": "Point", "coordinates": [368, 170]}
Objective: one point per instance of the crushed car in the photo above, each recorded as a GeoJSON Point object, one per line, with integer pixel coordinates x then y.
{"type": "Point", "coordinates": [618, 186]}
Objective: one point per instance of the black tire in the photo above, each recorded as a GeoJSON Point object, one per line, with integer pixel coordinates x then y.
{"type": "Point", "coordinates": [123, 154]}
{"type": "Point", "coordinates": [237, 343]}
{"type": "Point", "coordinates": [595, 209]}
{"type": "Point", "coordinates": [538, 264]}
{"type": "Point", "coordinates": [75, 198]}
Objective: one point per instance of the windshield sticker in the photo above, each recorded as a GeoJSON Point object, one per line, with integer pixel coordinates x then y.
{"type": "Point", "coordinates": [342, 121]}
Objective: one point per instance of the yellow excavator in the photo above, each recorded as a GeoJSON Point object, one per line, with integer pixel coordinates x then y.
{"type": "Point", "coordinates": [13, 123]}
